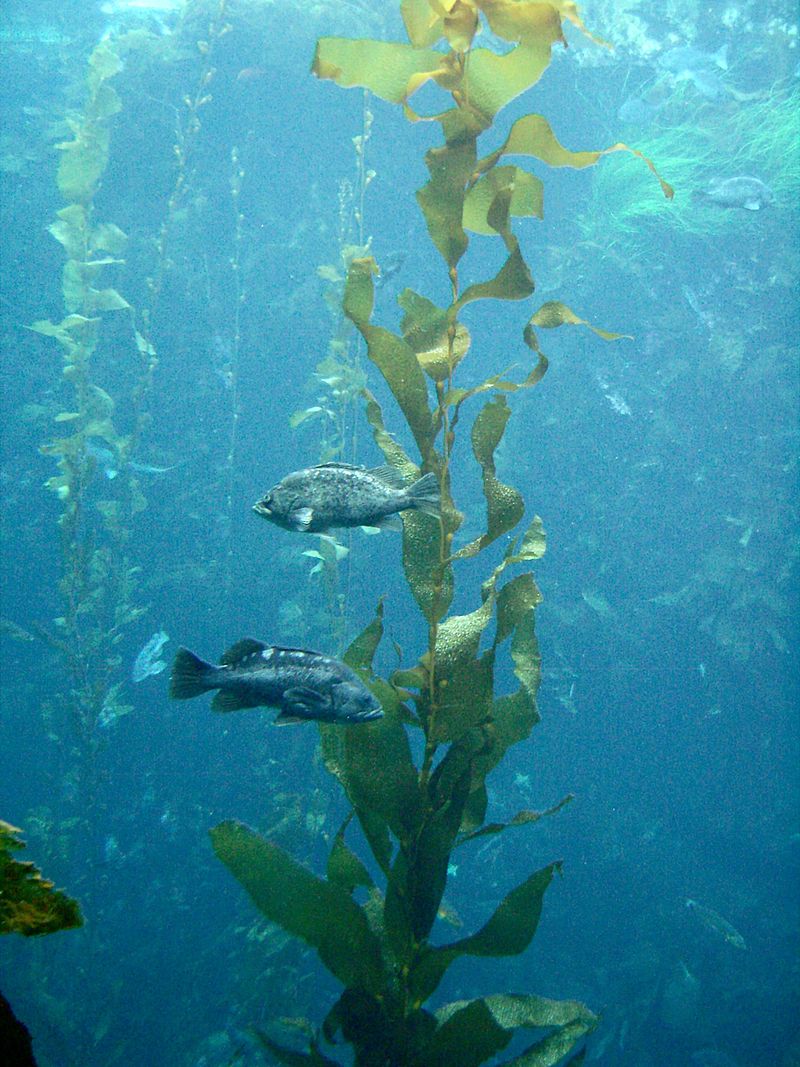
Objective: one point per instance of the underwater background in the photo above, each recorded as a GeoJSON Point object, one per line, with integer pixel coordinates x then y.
{"type": "Point", "coordinates": [236, 189]}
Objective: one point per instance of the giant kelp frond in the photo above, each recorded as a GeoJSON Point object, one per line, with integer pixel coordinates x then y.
{"type": "Point", "coordinates": [416, 803]}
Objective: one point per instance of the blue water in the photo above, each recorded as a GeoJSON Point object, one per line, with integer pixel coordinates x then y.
{"type": "Point", "coordinates": [664, 468]}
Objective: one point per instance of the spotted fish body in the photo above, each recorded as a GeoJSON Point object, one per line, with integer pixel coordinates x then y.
{"type": "Point", "coordinates": [303, 685]}
{"type": "Point", "coordinates": [331, 495]}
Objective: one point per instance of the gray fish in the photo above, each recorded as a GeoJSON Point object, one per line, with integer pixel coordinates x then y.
{"type": "Point", "coordinates": [304, 685]}
{"type": "Point", "coordinates": [700, 68]}
{"type": "Point", "coordinates": [109, 462]}
{"type": "Point", "coordinates": [147, 662]}
{"type": "Point", "coordinates": [713, 921]}
{"type": "Point", "coordinates": [331, 495]}
{"type": "Point", "coordinates": [751, 194]}
{"type": "Point", "coordinates": [687, 60]}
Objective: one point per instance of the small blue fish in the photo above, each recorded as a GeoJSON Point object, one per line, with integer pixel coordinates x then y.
{"type": "Point", "coordinates": [147, 662]}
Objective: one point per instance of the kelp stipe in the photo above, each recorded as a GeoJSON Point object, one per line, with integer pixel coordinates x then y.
{"type": "Point", "coordinates": [413, 816]}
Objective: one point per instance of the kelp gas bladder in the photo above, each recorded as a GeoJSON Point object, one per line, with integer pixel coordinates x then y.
{"type": "Point", "coordinates": [413, 814]}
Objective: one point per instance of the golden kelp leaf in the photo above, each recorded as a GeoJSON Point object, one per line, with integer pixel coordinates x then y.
{"type": "Point", "coordinates": [425, 327]}
{"type": "Point", "coordinates": [554, 313]}
{"type": "Point", "coordinates": [394, 453]}
{"type": "Point", "coordinates": [532, 135]}
{"type": "Point", "coordinates": [382, 67]}
{"type": "Point", "coordinates": [391, 355]}
{"type": "Point", "coordinates": [460, 24]}
{"type": "Point", "coordinates": [525, 195]}
{"type": "Point", "coordinates": [29, 903]}
{"type": "Point", "coordinates": [504, 505]}
{"type": "Point", "coordinates": [424, 26]}
{"type": "Point", "coordinates": [441, 200]}
{"type": "Point", "coordinates": [491, 81]}
{"type": "Point", "coordinates": [512, 282]}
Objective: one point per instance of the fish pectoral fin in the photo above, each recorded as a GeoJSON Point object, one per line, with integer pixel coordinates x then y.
{"type": "Point", "coordinates": [231, 700]}
{"type": "Point", "coordinates": [752, 205]}
{"type": "Point", "coordinates": [391, 522]}
{"type": "Point", "coordinates": [285, 719]}
{"type": "Point", "coordinates": [301, 519]}
{"type": "Point", "coordinates": [302, 702]}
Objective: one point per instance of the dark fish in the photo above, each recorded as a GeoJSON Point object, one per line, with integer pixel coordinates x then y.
{"type": "Point", "coordinates": [751, 194]}
{"type": "Point", "coordinates": [304, 685]}
{"type": "Point", "coordinates": [320, 498]}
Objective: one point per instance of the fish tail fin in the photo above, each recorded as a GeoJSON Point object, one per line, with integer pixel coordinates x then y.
{"type": "Point", "coordinates": [424, 495]}
{"type": "Point", "coordinates": [190, 676]}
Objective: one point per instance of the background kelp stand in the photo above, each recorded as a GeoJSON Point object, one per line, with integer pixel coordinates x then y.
{"type": "Point", "coordinates": [417, 779]}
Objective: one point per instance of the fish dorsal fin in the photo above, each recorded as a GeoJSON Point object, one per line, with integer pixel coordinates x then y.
{"type": "Point", "coordinates": [390, 476]}
{"type": "Point", "coordinates": [305, 651]}
{"type": "Point", "coordinates": [333, 465]}
{"type": "Point", "coordinates": [248, 646]}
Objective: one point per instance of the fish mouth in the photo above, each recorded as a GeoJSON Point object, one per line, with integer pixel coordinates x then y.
{"type": "Point", "coordinates": [261, 508]}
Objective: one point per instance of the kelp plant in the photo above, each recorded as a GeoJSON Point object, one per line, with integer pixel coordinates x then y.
{"type": "Point", "coordinates": [413, 813]}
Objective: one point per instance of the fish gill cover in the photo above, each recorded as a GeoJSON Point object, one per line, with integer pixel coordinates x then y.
{"type": "Point", "coordinates": [413, 814]}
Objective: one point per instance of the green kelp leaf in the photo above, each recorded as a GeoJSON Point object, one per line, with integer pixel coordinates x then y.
{"type": "Point", "coordinates": [82, 163]}
{"type": "Point", "coordinates": [507, 933]}
{"type": "Point", "coordinates": [105, 300]}
{"type": "Point", "coordinates": [427, 864]}
{"type": "Point", "coordinates": [362, 648]}
{"type": "Point", "coordinates": [463, 679]}
{"type": "Point", "coordinates": [522, 818]}
{"type": "Point", "coordinates": [291, 1057]}
{"type": "Point", "coordinates": [384, 68]}
{"type": "Point", "coordinates": [30, 904]}
{"type": "Point", "coordinates": [523, 194]}
{"type": "Point", "coordinates": [391, 355]}
{"type": "Point", "coordinates": [431, 585]}
{"type": "Point", "coordinates": [504, 505]}
{"type": "Point", "coordinates": [70, 230]}
{"type": "Point", "coordinates": [375, 767]}
{"type": "Point", "coordinates": [320, 913]}
{"type": "Point", "coordinates": [104, 63]}
{"type": "Point", "coordinates": [514, 715]}
{"type": "Point", "coordinates": [426, 329]}
{"type": "Point", "coordinates": [468, 1036]}
{"type": "Point", "coordinates": [107, 237]}
{"type": "Point", "coordinates": [345, 869]}
{"type": "Point", "coordinates": [102, 106]}
{"type": "Point", "coordinates": [489, 1018]}
{"type": "Point", "coordinates": [441, 200]}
